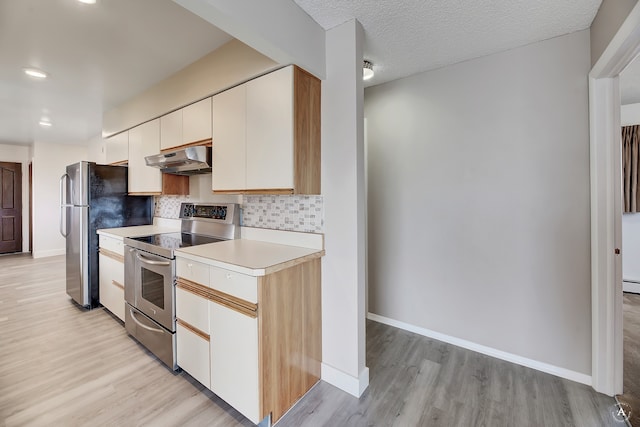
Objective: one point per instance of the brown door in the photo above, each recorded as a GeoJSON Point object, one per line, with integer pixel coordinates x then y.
{"type": "Point", "coordinates": [10, 207]}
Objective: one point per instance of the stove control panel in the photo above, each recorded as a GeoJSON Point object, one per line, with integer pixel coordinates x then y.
{"type": "Point", "coordinates": [190, 210]}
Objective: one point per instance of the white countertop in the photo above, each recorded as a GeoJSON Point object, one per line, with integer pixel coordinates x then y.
{"type": "Point", "coordinates": [136, 231]}
{"type": "Point", "coordinates": [252, 257]}
{"type": "Point", "coordinates": [247, 256]}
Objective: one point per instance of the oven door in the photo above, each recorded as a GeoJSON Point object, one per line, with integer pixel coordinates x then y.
{"type": "Point", "coordinates": [153, 287]}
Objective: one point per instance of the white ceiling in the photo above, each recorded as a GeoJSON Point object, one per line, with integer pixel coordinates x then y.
{"type": "Point", "coordinates": [99, 56]}
{"type": "Point", "coordinates": [409, 36]}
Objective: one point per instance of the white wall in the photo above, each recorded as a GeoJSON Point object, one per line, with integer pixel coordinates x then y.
{"type": "Point", "coordinates": [49, 163]}
{"type": "Point", "coordinates": [479, 224]}
{"type": "Point", "coordinates": [20, 154]}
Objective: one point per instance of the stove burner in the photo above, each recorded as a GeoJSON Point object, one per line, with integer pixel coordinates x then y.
{"type": "Point", "coordinates": [176, 240]}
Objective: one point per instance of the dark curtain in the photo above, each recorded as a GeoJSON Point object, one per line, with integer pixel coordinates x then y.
{"type": "Point", "coordinates": [630, 163]}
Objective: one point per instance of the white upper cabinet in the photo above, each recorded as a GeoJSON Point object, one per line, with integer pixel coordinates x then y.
{"type": "Point", "coordinates": [117, 148]}
{"type": "Point", "coordinates": [186, 125]}
{"type": "Point", "coordinates": [229, 140]}
{"type": "Point", "coordinates": [196, 122]}
{"type": "Point", "coordinates": [171, 130]}
{"type": "Point", "coordinates": [270, 131]}
{"type": "Point", "coordinates": [266, 135]}
{"type": "Point", "coordinates": [144, 140]}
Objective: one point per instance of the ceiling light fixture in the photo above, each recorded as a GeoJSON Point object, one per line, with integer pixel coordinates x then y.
{"type": "Point", "coordinates": [34, 72]}
{"type": "Point", "coordinates": [367, 70]}
{"type": "Point", "coordinates": [45, 123]}
{"type": "Point", "coordinates": [88, 1]}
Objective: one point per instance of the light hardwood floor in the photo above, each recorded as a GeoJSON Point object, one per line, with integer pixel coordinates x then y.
{"type": "Point", "coordinates": [631, 384]}
{"type": "Point", "coordinates": [64, 366]}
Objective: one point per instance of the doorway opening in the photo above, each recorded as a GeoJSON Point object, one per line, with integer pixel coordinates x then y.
{"type": "Point", "coordinates": [10, 207]}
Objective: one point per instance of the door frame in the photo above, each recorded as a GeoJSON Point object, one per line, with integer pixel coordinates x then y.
{"type": "Point", "coordinates": [606, 205]}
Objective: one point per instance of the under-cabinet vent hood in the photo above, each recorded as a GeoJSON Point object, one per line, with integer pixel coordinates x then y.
{"type": "Point", "coordinates": [185, 161]}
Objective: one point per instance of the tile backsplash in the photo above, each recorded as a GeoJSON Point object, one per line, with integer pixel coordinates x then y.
{"type": "Point", "coordinates": [290, 213]}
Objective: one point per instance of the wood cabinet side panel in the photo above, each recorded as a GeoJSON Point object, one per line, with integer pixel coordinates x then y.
{"type": "Point", "coordinates": [175, 184]}
{"type": "Point", "coordinates": [312, 322]}
{"type": "Point", "coordinates": [286, 370]}
{"type": "Point", "coordinates": [307, 137]}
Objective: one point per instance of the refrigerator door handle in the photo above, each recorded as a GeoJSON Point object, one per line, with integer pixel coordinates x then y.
{"type": "Point", "coordinates": [62, 204]}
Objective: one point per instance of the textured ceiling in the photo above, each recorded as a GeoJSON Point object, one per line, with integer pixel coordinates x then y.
{"type": "Point", "coordinates": [97, 56]}
{"type": "Point", "coordinates": [410, 36]}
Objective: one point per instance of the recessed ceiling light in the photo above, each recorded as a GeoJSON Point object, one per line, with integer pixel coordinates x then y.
{"type": "Point", "coordinates": [88, 1]}
{"type": "Point", "coordinates": [367, 70]}
{"type": "Point", "coordinates": [45, 123]}
{"type": "Point", "coordinates": [34, 72]}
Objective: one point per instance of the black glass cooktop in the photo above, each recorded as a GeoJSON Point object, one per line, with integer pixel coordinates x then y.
{"type": "Point", "coordinates": [176, 240]}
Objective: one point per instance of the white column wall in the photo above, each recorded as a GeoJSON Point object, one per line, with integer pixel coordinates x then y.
{"type": "Point", "coordinates": [343, 274]}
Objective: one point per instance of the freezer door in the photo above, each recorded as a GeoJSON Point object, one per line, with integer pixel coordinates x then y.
{"type": "Point", "coordinates": [77, 248]}
{"type": "Point", "coordinates": [77, 184]}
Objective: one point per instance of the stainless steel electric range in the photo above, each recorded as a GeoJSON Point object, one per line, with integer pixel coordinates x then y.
{"type": "Point", "coordinates": [150, 312]}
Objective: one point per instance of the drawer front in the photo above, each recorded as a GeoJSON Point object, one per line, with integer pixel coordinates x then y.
{"type": "Point", "coordinates": [193, 355]}
{"type": "Point", "coordinates": [192, 270]}
{"type": "Point", "coordinates": [112, 285]}
{"type": "Point", "coordinates": [111, 244]}
{"type": "Point", "coordinates": [236, 284]}
{"type": "Point", "coordinates": [192, 309]}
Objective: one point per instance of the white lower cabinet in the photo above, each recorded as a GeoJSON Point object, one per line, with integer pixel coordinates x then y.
{"type": "Point", "coordinates": [234, 359]}
{"type": "Point", "coordinates": [192, 335]}
{"type": "Point", "coordinates": [111, 277]}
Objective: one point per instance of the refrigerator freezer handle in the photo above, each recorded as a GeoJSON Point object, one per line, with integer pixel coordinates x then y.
{"type": "Point", "coordinates": [62, 204]}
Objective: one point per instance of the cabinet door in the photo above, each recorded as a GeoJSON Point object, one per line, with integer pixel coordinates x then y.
{"type": "Point", "coordinates": [111, 284]}
{"type": "Point", "coordinates": [229, 140]}
{"type": "Point", "coordinates": [234, 359]}
{"type": "Point", "coordinates": [270, 131]}
{"type": "Point", "coordinates": [117, 148]}
{"type": "Point", "coordinates": [144, 140]}
{"type": "Point", "coordinates": [192, 335]}
{"type": "Point", "coordinates": [171, 130]}
{"type": "Point", "coordinates": [196, 119]}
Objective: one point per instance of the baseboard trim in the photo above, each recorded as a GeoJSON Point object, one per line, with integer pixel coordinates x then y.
{"type": "Point", "coordinates": [51, 252]}
{"type": "Point", "coordinates": [352, 385]}
{"type": "Point", "coordinates": [631, 287]}
{"type": "Point", "coordinates": [489, 351]}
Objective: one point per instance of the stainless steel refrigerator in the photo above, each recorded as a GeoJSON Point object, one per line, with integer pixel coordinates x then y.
{"type": "Point", "coordinates": [94, 196]}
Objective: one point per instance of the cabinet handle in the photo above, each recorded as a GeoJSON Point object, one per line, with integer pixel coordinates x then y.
{"type": "Point", "coordinates": [189, 265]}
{"type": "Point", "coordinates": [229, 276]}
{"type": "Point", "coordinates": [117, 284]}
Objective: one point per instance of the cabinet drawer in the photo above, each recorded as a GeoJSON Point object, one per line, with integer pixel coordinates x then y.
{"type": "Point", "coordinates": [235, 284]}
{"type": "Point", "coordinates": [192, 270]}
{"type": "Point", "coordinates": [192, 309]}
{"type": "Point", "coordinates": [112, 244]}
{"type": "Point", "coordinates": [192, 352]}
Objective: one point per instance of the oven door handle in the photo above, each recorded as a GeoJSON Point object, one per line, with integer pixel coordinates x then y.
{"type": "Point", "coordinates": [142, 325]}
{"type": "Point", "coordinates": [151, 262]}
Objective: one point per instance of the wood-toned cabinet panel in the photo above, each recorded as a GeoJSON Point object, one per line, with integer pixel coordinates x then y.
{"type": "Point", "coordinates": [270, 131]}
{"type": "Point", "coordinates": [229, 140]}
{"type": "Point", "coordinates": [117, 148]}
{"type": "Point", "coordinates": [171, 130]}
{"type": "Point", "coordinates": [234, 360]}
{"type": "Point", "coordinates": [144, 140]}
{"type": "Point", "coordinates": [192, 355]}
{"type": "Point", "coordinates": [196, 121]}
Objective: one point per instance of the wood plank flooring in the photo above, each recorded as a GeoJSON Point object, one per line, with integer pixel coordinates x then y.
{"type": "Point", "coordinates": [64, 366]}
{"type": "Point", "coordinates": [631, 369]}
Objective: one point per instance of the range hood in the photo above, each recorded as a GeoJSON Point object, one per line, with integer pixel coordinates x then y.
{"type": "Point", "coordinates": [185, 161]}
